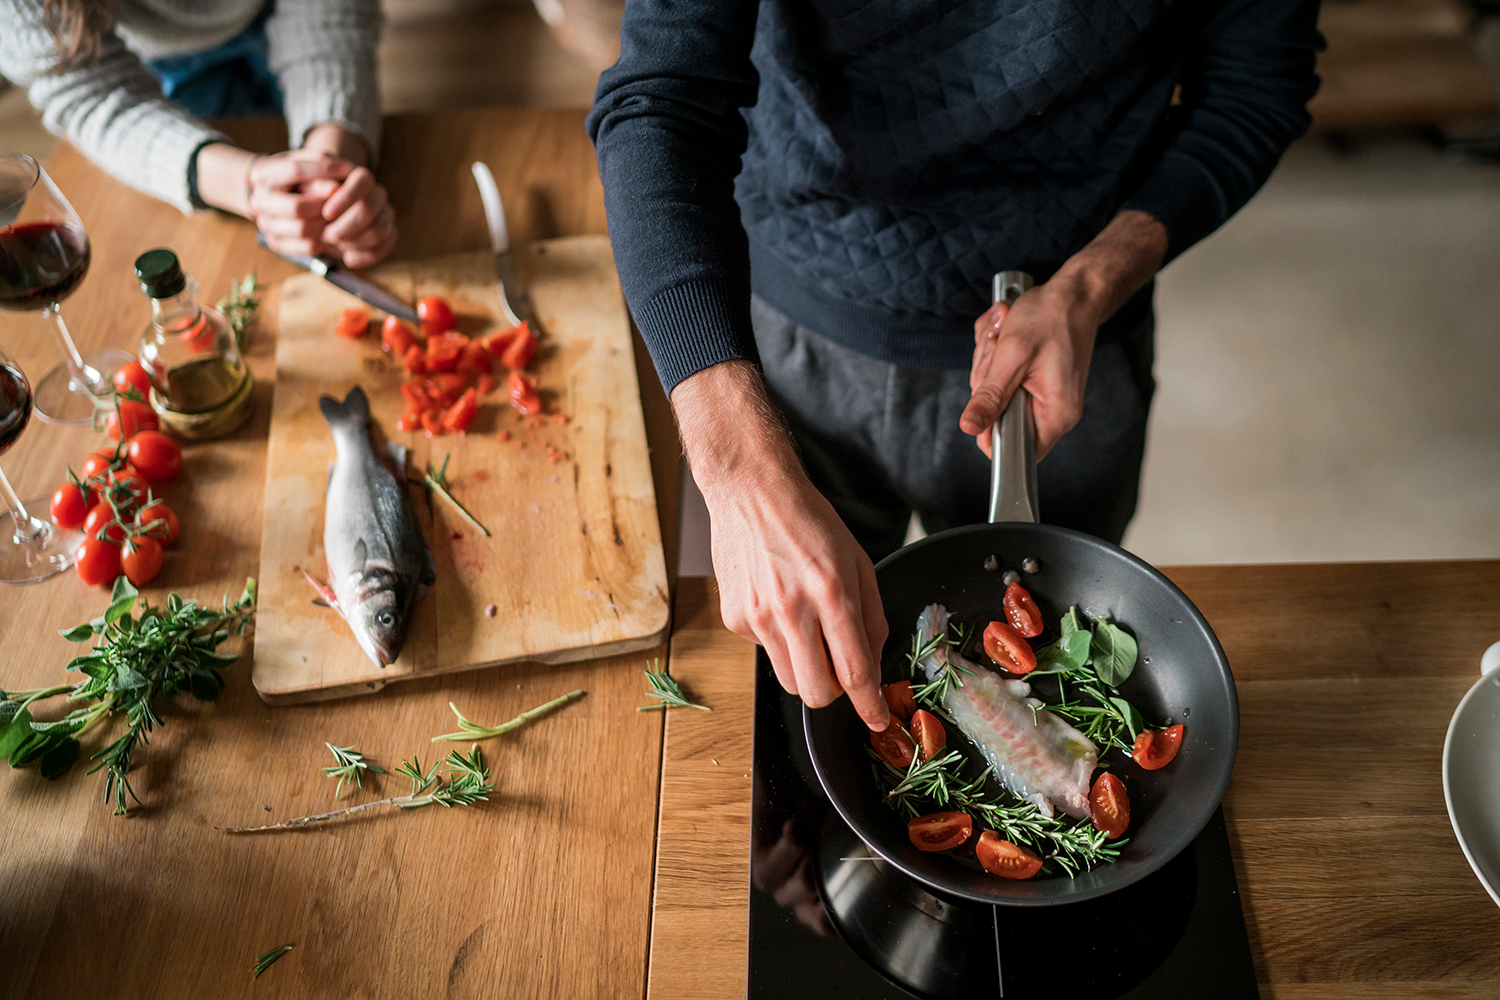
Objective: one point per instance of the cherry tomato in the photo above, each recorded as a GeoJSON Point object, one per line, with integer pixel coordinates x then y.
{"type": "Point", "coordinates": [1155, 748]}
{"type": "Point", "coordinates": [1109, 806]}
{"type": "Point", "coordinates": [523, 394]}
{"type": "Point", "coordinates": [415, 396]}
{"type": "Point", "coordinates": [134, 417]}
{"type": "Point", "coordinates": [353, 323]}
{"type": "Point", "coordinates": [432, 423]}
{"type": "Point", "coordinates": [444, 350]}
{"type": "Point", "coordinates": [484, 384]}
{"type": "Point", "coordinates": [894, 746]}
{"type": "Point", "coordinates": [518, 353]}
{"type": "Point", "coordinates": [102, 461]}
{"type": "Point", "coordinates": [141, 560]}
{"type": "Point", "coordinates": [132, 376]}
{"type": "Point", "coordinates": [497, 342]}
{"type": "Point", "coordinates": [415, 361]}
{"type": "Point", "coordinates": [125, 486]}
{"type": "Point", "coordinates": [444, 389]}
{"type": "Point", "coordinates": [97, 518]}
{"type": "Point", "coordinates": [97, 562]}
{"type": "Point", "coordinates": [940, 831]}
{"type": "Point", "coordinates": [475, 360]}
{"type": "Point", "coordinates": [899, 699]}
{"type": "Point", "coordinates": [396, 337]}
{"type": "Point", "coordinates": [1001, 857]}
{"type": "Point", "coordinates": [1006, 647]}
{"type": "Point", "coordinates": [461, 414]}
{"type": "Point", "coordinates": [1022, 611]}
{"type": "Point", "coordinates": [928, 734]}
{"type": "Point", "coordinates": [70, 505]}
{"type": "Point", "coordinates": [436, 315]}
{"type": "Point", "coordinates": [155, 455]}
{"type": "Point", "coordinates": [157, 520]}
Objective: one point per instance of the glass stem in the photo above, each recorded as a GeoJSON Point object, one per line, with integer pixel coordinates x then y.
{"type": "Point", "coordinates": [78, 374]}
{"type": "Point", "coordinates": [26, 529]}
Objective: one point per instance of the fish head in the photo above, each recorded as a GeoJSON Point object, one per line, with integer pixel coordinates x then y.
{"type": "Point", "coordinates": [382, 615]}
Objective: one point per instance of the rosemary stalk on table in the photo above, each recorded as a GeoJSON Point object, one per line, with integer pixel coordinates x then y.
{"type": "Point", "coordinates": [434, 480]}
{"type": "Point", "coordinates": [350, 765]}
{"type": "Point", "coordinates": [666, 691]}
{"type": "Point", "coordinates": [268, 959]}
{"type": "Point", "coordinates": [474, 731]}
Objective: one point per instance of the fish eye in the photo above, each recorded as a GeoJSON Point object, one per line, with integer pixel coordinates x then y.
{"type": "Point", "coordinates": [386, 619]}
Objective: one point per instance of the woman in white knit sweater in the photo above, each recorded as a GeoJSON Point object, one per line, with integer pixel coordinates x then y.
{"type": "Point", "coordinates": [97, 70]}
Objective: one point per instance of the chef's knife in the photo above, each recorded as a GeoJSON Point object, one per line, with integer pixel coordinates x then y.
{"type": "Point", "coordinates": [334, 272]}
{"type": "Point", "coordinates": [512, 302]}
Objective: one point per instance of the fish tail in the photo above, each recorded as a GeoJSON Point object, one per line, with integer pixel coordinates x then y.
{"type": "Point", "coordinates": [353, 411]}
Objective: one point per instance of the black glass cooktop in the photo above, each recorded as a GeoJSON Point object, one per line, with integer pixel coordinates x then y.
{"type": "Point", "coordinates": [827, 921]}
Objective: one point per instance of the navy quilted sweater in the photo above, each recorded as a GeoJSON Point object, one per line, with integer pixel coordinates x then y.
{"type": "Point", "coordinates": [896, 153]}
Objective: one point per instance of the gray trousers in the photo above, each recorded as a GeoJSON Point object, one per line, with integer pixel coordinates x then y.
{"type": "Point", "coordinates": [880, 441]}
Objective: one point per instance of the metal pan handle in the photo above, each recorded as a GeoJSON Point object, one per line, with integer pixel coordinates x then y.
{"type": "Point", "coordinates": [1013, 437]}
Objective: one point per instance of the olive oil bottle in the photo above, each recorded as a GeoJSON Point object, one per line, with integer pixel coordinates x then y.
{"type": "Point", "coordinates": [200, 386]}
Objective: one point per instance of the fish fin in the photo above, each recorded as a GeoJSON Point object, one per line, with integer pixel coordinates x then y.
{"type": "Point", "coordinates": [393, 456]}
{"type": "Point", "coordinates": [428, 576]}
{"type": "Point", "coordinates": [326, 596]}
{"type": "Point", "coordinates": [354, 410]}
{"type": "Point", "coordinates": [361, 555]}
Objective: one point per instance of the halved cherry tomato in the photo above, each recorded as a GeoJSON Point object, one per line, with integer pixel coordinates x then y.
{"type": "Point", "coordinates": [1022, 611]}
{"type": "Point", "coordinates": [899, 699]}
{"type": "Point", "coordinates": [475, 360]}
{"type": "Point", "coordinates": [518, 353]}
{"type": "Point", "coordinates": [134, 416]}
{"type": "Point", "coordinates": [436, 315]}
{"type": "Point", "coordinates": [411, 420]}
{"type": "Point", "coordinates": [1006, 647]}
{"type": "Point", "coordinates": [940, 831]}
{"type": "Point", "coordinates": [97, 562]}
{"type": "Point", "coordinates": [432, 422]}
{"type": "Point", "coordinates": [415, 396]}
{"type": "Point", "coordinates": [523, 394]}
{"type": "Point", "coordinates": [484, 384]}
{"type": "Point", "coordinates": [159, 521]}
{"type": "Point", "coordinates": [444, 350]}
{"type": "Point", "coordinates": [132, 376]}
{"type": "Point", "coordinates": [928, 734]}
{"type": "Point", "coordinates": [893, 746]}
{"type": "Point", "coordinates": [1155, 748]}
{"type": "Point", "coordinates": [1109, 806]}
{"type": "Point", "coordinates": [461, 414]}
{"type": "Point", "coordinates": [155, 455]}
{"type": "Point", "coordinates": [1001, 857]}
{"type": "Point", "coordinates": [353, 323]}
{"type": "Point", "coordinates": [141, 559]}
{"type": "Point", "coordinates": [70, 505]}
{"type": "Point", "coordinates": [94, 524]}
{"type": "Point", "coordinates": [415, 361]}
{"type": "Point", "coordinates": [396, 338]}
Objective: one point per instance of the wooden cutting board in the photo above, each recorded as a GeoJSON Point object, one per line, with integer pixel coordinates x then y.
{"type": "Point", "coordinates": [574, 566]}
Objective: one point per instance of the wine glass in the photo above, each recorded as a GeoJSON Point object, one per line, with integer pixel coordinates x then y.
{"type": "Point", "coordinates": [44, 254]}
{"type": "Point", "coordinates": [31, 549]}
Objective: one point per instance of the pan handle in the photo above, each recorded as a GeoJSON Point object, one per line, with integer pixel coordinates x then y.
{"type": "Point", "coordinates": [1013, 437]}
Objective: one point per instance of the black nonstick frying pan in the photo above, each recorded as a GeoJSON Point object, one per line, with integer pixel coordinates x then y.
{"type": "Point", "coordinates": [1182, 675]}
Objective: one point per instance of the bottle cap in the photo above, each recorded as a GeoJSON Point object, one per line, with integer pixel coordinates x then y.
{"type": "Point", "coordinates": [160, 273]}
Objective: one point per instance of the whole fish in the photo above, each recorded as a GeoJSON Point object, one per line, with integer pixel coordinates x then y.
{"type": "Point", "coordinates": [379, 566]}
{"type": "Point", "coordinates": [1037, 756]}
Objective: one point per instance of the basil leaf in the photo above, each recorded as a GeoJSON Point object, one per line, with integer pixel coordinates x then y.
{"type": "Point", "coordinates": [16, 733]}
{"type": "Point", "coordinates": [1068, 653]}
{"type": "Point", "coordinates": [78, 633]}
{"type": "Point", "coordinates": [1113, 652]}
{"type": "Point", "coordinates": [121, 600]}
{"type": "Point", "coordinates": [1071, 622]}
{"type": "Point", "coordinates": [61, 756]}
{"type": "Point", "coordinates": [1133, 718]}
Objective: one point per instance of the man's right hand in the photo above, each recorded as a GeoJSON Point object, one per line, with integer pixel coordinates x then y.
{"type": "Point", "coordinates": [791, 576]}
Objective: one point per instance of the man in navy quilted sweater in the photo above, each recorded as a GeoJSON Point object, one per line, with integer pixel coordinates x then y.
{"type": "Point", "coordinates": [807, 200]}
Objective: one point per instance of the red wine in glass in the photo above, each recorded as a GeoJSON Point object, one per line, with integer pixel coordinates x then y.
{"type": "Point", "coordinates": [41, 263]}
{"type": "Point", "coordinates": [15, 406]}
{"type": "Point", "coordinates": [31, 549]}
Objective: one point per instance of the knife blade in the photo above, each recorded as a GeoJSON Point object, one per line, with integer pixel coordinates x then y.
{"type": "Point", "coordinates": [512, 301]}
{"type": "Point", "coordinates": [335, 273]}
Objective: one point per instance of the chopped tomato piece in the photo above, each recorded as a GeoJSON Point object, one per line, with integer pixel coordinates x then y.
{"type": "Point", "coordinates": [484, 384]}
{"type": "Point", "coordinates": [1155, 748]}
{"type": "Point", "coordinates": [353, 323]}
{"type": "Point", "coordinates": [940, 831]}
{"type": "Point", "coordinates": [899, 699]}
{"type": "Point", "coordinates": [1001, 857]}
{"type": "Point", "coordinates": [475, 360]}
{"type": "Point", "coordinates": [1022, 611]}
{"type": "Point", "coordinates": [444, 389]}
{"type": "Point", "coordinates": [411, 420]}
{"type": "Point", "coordinates": [523, 394]}
{"type": "Point", "coordinates": [396, 337]}
{"type": "Point", "coordinates": [497, 342]}
{"type": "Point", "coordinates": [1008, 649]}
{"type": "Point", "coordinates": [415, 396]}
{"type": "Point", "coordinates": [432, 422]}
{"type": "Point", "coordinates": [894, 746]}
{"type": "Point", "coordinates": [444, 350]}
{"type": "Point", "coordinates": [1109, 806]}
{"type": "Point", "coordinates": [415, 361]}
{"type": "Point", "coordinates": [522, 347]}
{"type": "Point", "coordinates": [461, 414]}
{"type": "Point", "coordinates": [436, 315]}
{"type": "Point", "coordinates": [928, 734]}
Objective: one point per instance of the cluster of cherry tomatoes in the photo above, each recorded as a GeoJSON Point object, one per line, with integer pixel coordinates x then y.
{"type": "Point", "coordinates": [110, 498]}
{"type": "Point", "coordinates": [450, 371]}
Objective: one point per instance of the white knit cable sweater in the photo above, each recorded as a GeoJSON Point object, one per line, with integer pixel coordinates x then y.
{"type": "Point", "coordinates": [322, 52]}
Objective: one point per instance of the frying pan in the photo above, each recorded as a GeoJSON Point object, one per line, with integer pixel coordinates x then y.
{"type": "Point", "coordinates": [1181, 676]}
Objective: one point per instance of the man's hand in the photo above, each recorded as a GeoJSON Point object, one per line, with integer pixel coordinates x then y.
{"type": "Point", "coordinates": [1045, 340]}
{"type": "Point", "coordinates": [790, 574]}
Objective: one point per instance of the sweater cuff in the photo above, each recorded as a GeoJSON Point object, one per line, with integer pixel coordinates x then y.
{"type": "Point", "coordinates": [168, 159]}
{"type": "Point", "coordinates": [343, 94]}
{"type": "Point", "coordinates": [696, 325]}
{"type": "Point", "coordinates": [1184, 197]}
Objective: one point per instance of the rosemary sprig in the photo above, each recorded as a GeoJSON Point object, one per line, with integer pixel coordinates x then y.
{"type": "Point", "coordinates": [240, 305]}
{"type": "Point", "coordinates": [350, 766]}
{"type": "Point", "coordinates": [268, 959]}
{"type": "Point", "coordinates": [433, 480]}
{"type": "Point", "coordinates": [667, 691]}
{"type": "Point", "coordinates": [474, 731]}
{"type": "Point", "coordinates": [933, 693]}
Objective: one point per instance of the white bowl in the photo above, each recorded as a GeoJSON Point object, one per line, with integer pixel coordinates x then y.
{"type": "Point", "coordinates": [1471, 774]}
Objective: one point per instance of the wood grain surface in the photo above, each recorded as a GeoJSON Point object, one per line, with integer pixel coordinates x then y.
{"type": "Point", "coordinates": [1352, 882]}
{"type": "Point", "coordinates": [574, 562]}
{"type": "Point", "coordinates": [542, 892]}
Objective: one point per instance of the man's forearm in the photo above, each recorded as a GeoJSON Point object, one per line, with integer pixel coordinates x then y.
{"type": "Point", "coordinates": [1115, 264]}
{"type": "Point", "coordinates": [729, 429]}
